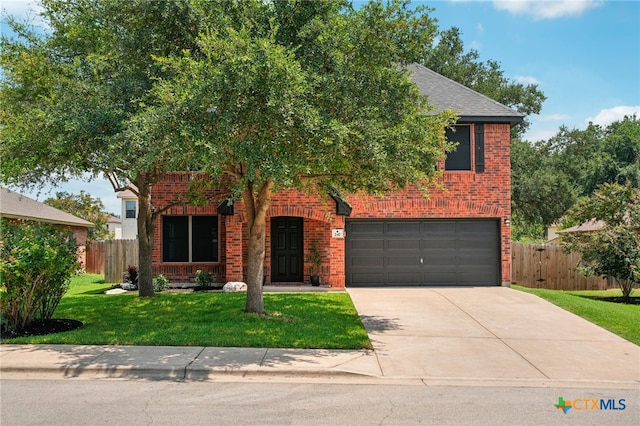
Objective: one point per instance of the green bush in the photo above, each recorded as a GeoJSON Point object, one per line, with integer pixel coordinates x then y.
{"type": "Point", "coordinates": [160, 283]}
{"type": "Point", "coordinates": [36, 264]}
{"type": "Point", "coordinates": [204, 278]}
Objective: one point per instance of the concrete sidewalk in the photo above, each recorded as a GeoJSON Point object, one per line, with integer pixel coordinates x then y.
{"type": "Point", "coordinates": [182, 362]}
{"type": "Point", "coordinates": [451, 336]}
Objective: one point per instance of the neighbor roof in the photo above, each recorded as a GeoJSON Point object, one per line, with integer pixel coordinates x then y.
{"type": "Point", "coordinates": [589, 226]}
{"type": "Point", "coordinates": [469, 105]}
{"type": "Point", "coordinates": [18, 206]}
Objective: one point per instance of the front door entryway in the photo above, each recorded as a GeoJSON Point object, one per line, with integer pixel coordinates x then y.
{"type": "Point", "coordinates": [286, 249]}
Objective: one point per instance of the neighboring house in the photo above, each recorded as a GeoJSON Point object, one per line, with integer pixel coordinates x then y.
{"type": "Point", "coordinates": [458, 237]}
{"type": "Point", "coordinates": [589, 226]}
{"type": "Point", "coordinates": [18, 207]}
{"type": "Point", "coordinates": [114, 225]}
{"type": "Point", "coordinates": [129, 223]}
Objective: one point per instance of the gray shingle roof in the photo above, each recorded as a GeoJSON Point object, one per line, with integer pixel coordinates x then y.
{"type": "Point", "coordinates": [444, 93]}
{"type": "Point", "coordinates": [17, 206]}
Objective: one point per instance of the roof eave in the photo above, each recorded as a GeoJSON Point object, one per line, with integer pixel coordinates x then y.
{"type": "Point", "coordinates": [51, 221]}
{"type": "Point", "coordinates": [512, 120]}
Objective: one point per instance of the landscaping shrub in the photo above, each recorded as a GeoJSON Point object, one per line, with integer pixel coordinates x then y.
{"type": "Point", "coordinates": [160, 283]}
{"type": "Point", "coordinates": [37, 262]}
{"type": "Point", "coordinates": [203, 278]}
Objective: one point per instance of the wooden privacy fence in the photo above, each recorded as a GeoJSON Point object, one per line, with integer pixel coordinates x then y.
{"type": "Point", "coordinates": [548, 266]}
{"type": "Point", "coordinates": [111, 258]}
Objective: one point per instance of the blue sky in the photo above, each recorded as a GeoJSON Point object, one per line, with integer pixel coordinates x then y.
{"type": "Point", "coordinates": [583, 54]}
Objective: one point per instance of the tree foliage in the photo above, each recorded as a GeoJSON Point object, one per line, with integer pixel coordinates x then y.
{"type": "Point", "coordinates": [549, 176]}
{"type": "Point", "coordinates": [301, 95]}
{"type": "Point", "coordinates": [36, 265]}
{"type": "Point", "coordinates": [86, 207]}
{"type": "Point", "coordinates": [614, 249]}
{"type": "Point", "coordinates": [68, 95]}
{"type": "Point", "coordinates": [449, 58]}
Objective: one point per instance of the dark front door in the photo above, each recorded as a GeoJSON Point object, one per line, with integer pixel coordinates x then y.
{"type": "Point", "coordinates": [286, 249]}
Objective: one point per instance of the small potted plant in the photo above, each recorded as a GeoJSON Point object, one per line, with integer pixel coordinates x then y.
{"type": "Point", "coordinates": [314, 258]}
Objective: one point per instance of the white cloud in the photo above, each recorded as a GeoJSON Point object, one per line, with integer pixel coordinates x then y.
{"type": "Point", "coordinates": [526, 79]}
{"type": "Point", "coordinates": [480, 28]}
{"type": "Point", "coordinates": [536, 135]}
{"type": "Point", "coordinates": [554, 117]}
{"type": "Point", "coordinates": [547, 9]}
{"type": "Point", "coordinates": [609, 115]}
{"type": "Point", "coordinates": [475, 45]}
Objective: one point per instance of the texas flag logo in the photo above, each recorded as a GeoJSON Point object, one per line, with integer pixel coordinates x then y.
{"type": "Point", "coordinates": [563, 405]}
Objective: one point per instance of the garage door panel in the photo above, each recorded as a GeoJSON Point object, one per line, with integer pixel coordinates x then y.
{"type": "Point", "coordinates": [368, 244]}
{"type": "Point", "coordinates": [476, 257]}
{"type": "Point", "coordinates": [395, 261]}
{"type": "Point", "coordinates": [366, 228]}
{"type": "Point", "coordinates": [438, 227]}
{"type": "Point", "coordinates": [404, 278]}
{"type": "Point", "coordinates": [479, 276]}
{"type": "Point", "coordinates": [367, 261]}
{"type": "Point", "coordinates": [395, 244]}
{"type": "Point", "coordinates": [369, 278]}
{"type": "Point", "coordinates": [475, 227]}
{"type": "Point", "coordinates": [424, 252]}
{"type": "Point", "coordinates": [477, 244]}
{"type": "Point", "coordinates": [402, 228]}
{"type": "Point", "coordinates": [439, 256]}
{"type": "Point", "coordinates": [440, 278]}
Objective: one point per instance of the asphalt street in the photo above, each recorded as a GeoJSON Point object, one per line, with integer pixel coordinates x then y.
{"type": "Point", "coordinates": [268, 402]}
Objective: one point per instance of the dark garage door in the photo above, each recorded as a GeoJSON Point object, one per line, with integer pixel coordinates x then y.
{"type": "Point", "coordinates": [423, 252]}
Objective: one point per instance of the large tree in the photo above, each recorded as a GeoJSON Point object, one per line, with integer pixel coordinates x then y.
{"type": "Point", "coordinates": [306, 95]}
{"type": "Point", "coordinates": [449, 58]}
{"type": "Point", "coordinates": [69, 91]}
{"type": "Point", "coordinates": [540, 192]}
{"type": "Point", "coordinates": [549, 176]}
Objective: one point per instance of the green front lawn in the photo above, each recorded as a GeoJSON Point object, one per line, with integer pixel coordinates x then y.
{"type": "Point", "coordinates": [621, 319]}
{"type": "Point", "coordinates": [294, 320]}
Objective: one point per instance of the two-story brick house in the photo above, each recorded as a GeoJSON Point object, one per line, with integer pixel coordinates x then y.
{"type": "Point", "coordinates": [457, 236]}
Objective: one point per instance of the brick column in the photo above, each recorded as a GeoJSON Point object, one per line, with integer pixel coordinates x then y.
{"type": "Point", "coordinates": [233, 249]}
{"type": "Point", "coordinates": [337, 255]}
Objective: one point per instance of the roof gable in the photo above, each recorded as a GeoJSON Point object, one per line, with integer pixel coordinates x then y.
{"type": "Point", "coordinates": [444, 93]}
{"type": "Point", "coordinates": [18, 206]}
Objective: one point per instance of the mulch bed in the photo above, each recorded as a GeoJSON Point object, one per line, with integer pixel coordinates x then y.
{"type": "Point", "coordinates": [39, 328]}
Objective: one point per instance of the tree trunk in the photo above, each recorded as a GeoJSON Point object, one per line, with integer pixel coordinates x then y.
{"type": "Point", "coordinates": [257, 206]}
{"type": "Point", "coordinates": [146, 228]}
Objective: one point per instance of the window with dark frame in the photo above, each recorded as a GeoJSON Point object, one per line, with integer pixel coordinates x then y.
{"type": "Point", "coordinates": [460, 158]}
{"type": "Point", "coordinates": [189, 238]}
{"type": "Point", "coordinates": [130, 209]}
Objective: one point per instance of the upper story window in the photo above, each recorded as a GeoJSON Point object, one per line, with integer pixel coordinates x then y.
{"type": "Point", "coordinates": [460, 158]}
{"type": "Point", "coordinates": [130, 209]}
{"type": "Point", "coordinates": [189, 238]}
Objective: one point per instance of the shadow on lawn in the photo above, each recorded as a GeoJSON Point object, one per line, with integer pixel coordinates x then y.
{"type": "Point", "coordinates": [633, 300]}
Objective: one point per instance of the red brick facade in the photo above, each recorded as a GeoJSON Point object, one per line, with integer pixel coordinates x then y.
{"type": "Point", "coordinates": [468, 194]}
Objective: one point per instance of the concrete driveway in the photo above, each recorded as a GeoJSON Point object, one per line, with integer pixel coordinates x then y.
{"type": "Point", "coordinates": [492, 336]}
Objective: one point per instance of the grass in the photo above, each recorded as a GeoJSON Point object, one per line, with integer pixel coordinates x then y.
{"type": "Point", "coordinates": [621, 319]}
{"type": "Point", "coordinates": [294, 320]}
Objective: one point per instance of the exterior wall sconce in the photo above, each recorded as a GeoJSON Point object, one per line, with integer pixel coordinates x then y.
{"type": "Point", "coordinates": [507, 222]}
